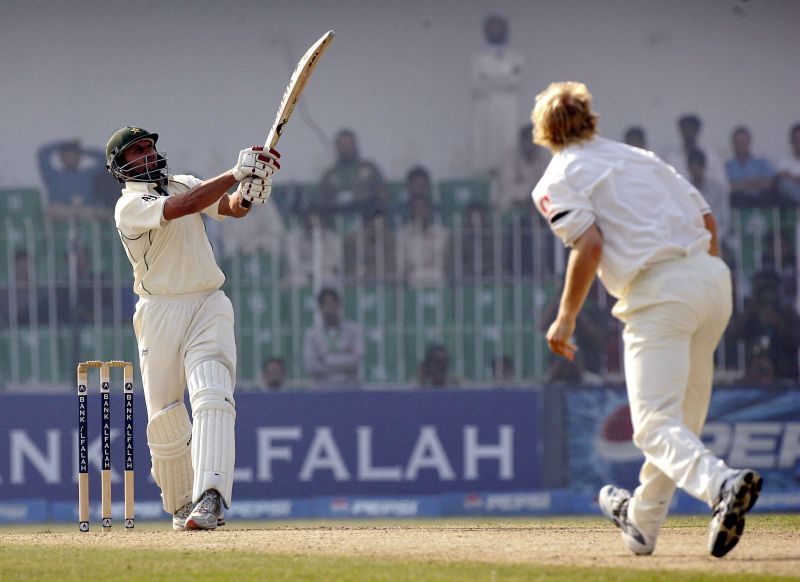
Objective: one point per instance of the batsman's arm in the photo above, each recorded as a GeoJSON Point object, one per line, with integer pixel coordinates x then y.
{"type": "Point", "coordinates": [584, 259]}
{"type": "Point", "coordinates": [201, 196]}
{"type": "Point", "coordinates": [231, 205]}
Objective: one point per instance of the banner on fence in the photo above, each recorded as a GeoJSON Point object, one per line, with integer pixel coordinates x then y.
{"type": "Point", "coordinates": [301, 445]}
{"type": "Point", "coordinates": [747, 427]}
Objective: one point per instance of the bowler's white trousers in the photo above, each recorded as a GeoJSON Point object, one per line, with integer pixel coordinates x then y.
{"type": "Point", "coordinates": [674, 314]}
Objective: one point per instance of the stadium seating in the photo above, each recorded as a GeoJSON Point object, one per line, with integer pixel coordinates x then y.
{"type": "Point", "coordinates": [476, 319]}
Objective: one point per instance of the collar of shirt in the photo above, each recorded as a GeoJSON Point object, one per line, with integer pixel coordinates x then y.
{"type": "Point", "coordinates": [149, 187]}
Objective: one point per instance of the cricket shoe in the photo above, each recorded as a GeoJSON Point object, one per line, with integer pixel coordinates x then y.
{"type": "Point", "coordinates": [737, 496]}
{"type": "Point", "coordinates": [179, 517]}
{"type": "Point", "coordinates": [613, 503]}
{"type": "Point", "coordinates": [207, 514]}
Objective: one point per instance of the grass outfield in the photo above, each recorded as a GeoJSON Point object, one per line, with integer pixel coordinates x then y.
{"type": "Point", "coordinates": [452, 549]}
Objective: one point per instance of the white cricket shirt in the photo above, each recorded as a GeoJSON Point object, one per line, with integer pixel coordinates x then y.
{"type": "Point", "coordinates": [646, 211]}
{"type": "Point", "coordinates": [169, 257]}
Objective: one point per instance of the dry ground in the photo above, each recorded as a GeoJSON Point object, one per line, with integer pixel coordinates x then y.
{"type": "Point", "coordinates": [771, 545]}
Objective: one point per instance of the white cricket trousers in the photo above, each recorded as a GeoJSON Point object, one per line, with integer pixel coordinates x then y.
{"type": "Point", "coordinates": [674, 314]}
{"type": "Point", "coordinates": [174, 334]}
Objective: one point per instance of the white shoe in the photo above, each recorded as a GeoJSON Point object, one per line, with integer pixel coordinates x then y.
{"type": "Point", "coordinates": [613, 503]}
{"type": "Point", "coordinates": [737, 496]}
{"type": "Point", "coordinates": [179, 517]}
{"type": "Point", "coordinates": [205, 514]}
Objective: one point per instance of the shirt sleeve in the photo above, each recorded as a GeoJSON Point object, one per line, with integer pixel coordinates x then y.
{"type": "Point", "coordinates": [568, 212]}
{"type": "Point", "coordinates": [190, 182]}
{"type": "Point", "coordinates": [140, 212]}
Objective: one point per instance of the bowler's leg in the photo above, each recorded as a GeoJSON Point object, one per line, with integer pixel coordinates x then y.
{"type": "Point", "coordinates": [657, 370]}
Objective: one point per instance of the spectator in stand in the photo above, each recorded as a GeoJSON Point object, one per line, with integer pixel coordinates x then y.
{"type": "Point", "coordinates": [69, 171]}
{"type": "Point", "coordinates": [334, 348]}
{"type": "Point", "coordinates": [313, 252]}
{"type": "Point", "coordinates": [476, 242]}
{"type": "Point", "coordinates": [370, 254]}
{"type": "Point", "coordinates": [433, 371]}
{"type": "Point", "coordinates": [689, 127]}
{"type": "Point", "coordinates": [273, 374]}
{"type": "Point", "coordinates": [21, 302]}
{"type": "Point", "coordinates": [714, 192]}
{"type": "Point", "coordinates": [789, 168]}
{"type": "Point", "coordinates": [752, 179]}
{"type": "Point", "coordinates": [635, 136]}
{"type": "Point", "coordinates": [425, 247]}
{"type": "Point", "coordinates": [770, 325]}
{"type": "Point", "coordinates": [522, 168]}
{"type": "Point", "coordinates": [352, 184]}
{"type": "Point", "coordinates": [497, 74]}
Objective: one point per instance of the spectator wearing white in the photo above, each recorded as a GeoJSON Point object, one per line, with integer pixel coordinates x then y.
{"type": "Point", "coordinates": [313, 254]}
{"type": "Point", "coordinates": [424, 245]}
{"type": "Point", "coordinates": [497, 74]}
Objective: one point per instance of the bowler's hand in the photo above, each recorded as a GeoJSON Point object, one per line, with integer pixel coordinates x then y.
{"type": "Point", "coordinates": [558, 338]}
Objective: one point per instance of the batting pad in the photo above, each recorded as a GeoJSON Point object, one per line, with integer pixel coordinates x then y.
{"type": "Point", "coordinates": [214, 415]}
{"type": "Point", "coordinates": [169, 434]}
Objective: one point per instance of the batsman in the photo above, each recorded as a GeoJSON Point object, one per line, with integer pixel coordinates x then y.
{"type": "Point", "coordinates": [183, 321]}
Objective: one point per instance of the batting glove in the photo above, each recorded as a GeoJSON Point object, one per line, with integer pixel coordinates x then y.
{"type": "Point", "coordinates": [254, 162]}
{"type": "Point", "coordinates": [255, 190]}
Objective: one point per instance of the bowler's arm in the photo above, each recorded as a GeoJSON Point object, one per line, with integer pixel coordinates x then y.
{"type": "Point", "coordinates": [584, 260]}
{"type": "Point", "coordinates": [711, 226]}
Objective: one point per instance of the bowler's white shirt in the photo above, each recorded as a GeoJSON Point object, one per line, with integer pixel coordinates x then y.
{"type": "Point", "coordinates": [645, 210]}
{"type": "Point", "coordinates": [169, 257]}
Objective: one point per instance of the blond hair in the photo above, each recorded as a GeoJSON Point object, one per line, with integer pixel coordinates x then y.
{"type": "Point", "coordinates": [563, 116]}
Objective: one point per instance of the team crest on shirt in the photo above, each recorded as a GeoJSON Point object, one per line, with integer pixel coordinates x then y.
{"type": "Point", "coordinates": [544, 204]}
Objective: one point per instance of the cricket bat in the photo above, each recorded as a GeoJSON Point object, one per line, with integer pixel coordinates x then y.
{"type": "Point", "coordinates": [296, 85]}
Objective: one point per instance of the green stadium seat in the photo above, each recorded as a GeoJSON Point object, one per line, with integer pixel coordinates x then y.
{"type": "Point", "coordinates": [18, 203]}
{"type": "Point", "coordinates": [456, 195]}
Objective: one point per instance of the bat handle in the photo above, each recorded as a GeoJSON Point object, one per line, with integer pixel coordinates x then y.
{"type": "Point", "coordinates": [245, 203]}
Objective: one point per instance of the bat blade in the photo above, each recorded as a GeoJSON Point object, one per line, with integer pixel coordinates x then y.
{"type": "Point", "coordinates": [296, 85]}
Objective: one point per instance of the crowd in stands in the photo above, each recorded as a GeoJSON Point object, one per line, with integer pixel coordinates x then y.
{"type": "Point", "coordinates": [354, 227]}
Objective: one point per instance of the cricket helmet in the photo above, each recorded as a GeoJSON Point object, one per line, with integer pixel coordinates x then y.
{"type": "Point", "coordinates": [135, 171]}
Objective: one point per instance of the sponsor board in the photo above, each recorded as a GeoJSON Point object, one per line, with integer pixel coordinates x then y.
{"type": "Point", "coordinates": [516, 503]}
{"type": "Point", "coordinates": [297, 445]}
{"type": "Point", "coordinates": [747, 427]}
{"type": "Point", "coordinates": [377, 507]}
{"type": "Point", "coordinates": [26, 511]}
{"type": "Point", "coordinates": [519, 503]}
